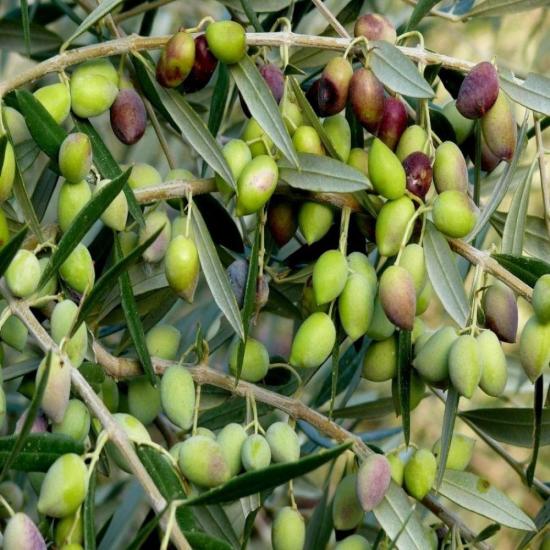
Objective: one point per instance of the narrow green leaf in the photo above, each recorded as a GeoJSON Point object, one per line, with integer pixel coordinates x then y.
{"type": "Point", "coordinates": [251, 14]}
{"type": "Point", "coordinates": [215, 274]}
{"type": "Point", "coordinates": [213, 519]}
{"type": "Point", "coordinates": [322, 174]}
{"type": "Point", "coordinates": [492, 8]}
{"type": "Point", "coordinates": [538, 404]}
{"type": "Point", "coordinates": [263, 107]}
{"type": "Point", "coordinates": [81, 225]}
{"type": "Point", "coordinates": [220, 96]}
{"type": "Point", "coordinates": [104, 8]}
{"type": "Point", "coordinates": [476, 494]}
{"type": "Point", "coordinates": [421, 9]}
{"type": "Point", "coordinates": [319, 527]}
{"type": "Point", "coordinates": [404, 372]}
{"type": "Point", "coordinates": [12, 38]}
{"type": "Point", "coordinates": [267, 478]}
{"type": "Point", "coordinates": [451, 408]}
{"type": "Point", "coordinates": [8, 252]}
{"type": "Point", "coordinates": [43, 190]}
{"type": "Point", "coordinates": [533, 93]}
{"type": "Point", "coordinates": [529, 270]}
{"type": "Point", "coordinates": [133, 321]}
{"type": "Point", "coordinates": [88, 514]}
{"type": "Point", "coordinates": [26, 25]}
{"type": "Point", "coordinates": [444, 275]}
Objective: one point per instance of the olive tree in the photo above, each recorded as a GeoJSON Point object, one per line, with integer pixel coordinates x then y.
{"type": "Point", "coordinates": [280, 278]}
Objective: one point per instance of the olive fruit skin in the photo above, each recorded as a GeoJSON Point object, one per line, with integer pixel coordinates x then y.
{"type": "Point", "coordinates": [380, 327]}
{"type": "Point", "coordinates": [359, 159]}
{"type": "Point", "coordinates": [391, 225]}
{"type": "Point", "coordinates": [227, 41]}
{"type": "Point", "coordinates": [143, 400]}
{"type": "Point", "coordinates": [374, 26]}
{"type": "Point", "coordinates": [332, 93]}
{"type": "Point", "coordinates": [73, 197]}
{"type": "Point", "coordinates": [177, 396]}
{"type": "Point", "coordinates": [450, 172]}
{"type": "Point", "coordinates": [288, 531]}
{"type": "Point", "coordinates": [23, 274]}
{"type": "Point", "coordinates": [356, 305]}
{"type": "Point", "coordinates": [385, 171]}
{"type": "Point", "coordinates": [346, 508]}
{"type": "Point", "coordinates": [412, 140]}
{"type": "Point", "coordinates": [56, 99]}
{"type": "Point", "coordinates": [283, 442]}
{"type": "Point", "coordinates": [494, 370]}
{"type": "Point", "coordinates": [78, 269]}
{"type": "Point", "coordinates": [176, 60]}
{"type": "Point", "coordinates": [397, 468]}
{"type": "Point", "coordinates": [7, 172]}
{"type": "Point", "coordinates": [419, 173]}
{"type": "Point", "coordinates": [154, 220]}
{"type": "Point", "coordinates": [116, 214]}
{"type": "Point", "coordinates": [478, 91]}
{"type": "Point", "coordinates": [292, 115]}
{"type": "Point", "coordinates": [143, 175]}
{"type": "Point", "coordinates": [14, 332]}
{"type": "Point", "coordinates": [256, 184]}
{"type": "Point", "coordinates": [339, 133]}
{"type": "Point", "coordinates": [329, 276]}
{"type": "Point", "coordinates": [398, 297]}
{"type": "Point", "coordinates": [462, 126]}
{"type": "Point", "coordinates": [499, 128]}
{"type": "Point", "coordinates": [22, 534]}
{"type": "Point", "coordinates": [102, 67]}
{"type": "Point", "coordinates": [64, 315]}
{"type": "Point", "coordinates": [238, 155]}
{"type": "Point", "coordinates": [453, 214]}
{"type": "Point", "coordinates": [255, 453]}
{"type": "Point", "coordinates": [282, 221]}
{"type": "Point", "coordinates": [314, 220]}
{"type": "Point", "coordinates": [541, 298]}
{"type": "Point", "coordinates": [255, 361]}
{"type": "Point", "coordinates": [75, 157]}
{"type": "Point", "coordinates": [251, 132]}
{"type": "Point", "coordinates": [128, 116]}
{"type": "Point", "coordinates": [231, 439]}
{"type": "Point", "coordinates": [76, 421]}
{"type": "Point", "coordinates": [4, 230]}
{"type": "Point", "coordinates": [359, 263]}
{"type": "Point", "coordinates": [501, 312]}
{"type": "Point", "coordinates": [313, 342]}
{"type": "Point", "coordinates": [373, 481]}
{"type": "Point", "coordinates": [163, 341]}
{"type": "Point", "coordinates": [58, 387]}
{"type": "Point", "coordinates": [203, 67]}
{"type": "Point", "coordinates": [432, 359]}
{"type": "Point", "coordinates": [91, 92]}
{"type": "Point", "coordinates": [419, 475]}
{"type": "Point", "coordinates": [64, 528]}
{"type": "Point", "coordinates": [211, 470]}
{"type": "Point", "coordinates": [534, 347]}
{"type": "Point", "coordinates": [64, 487]}
{"type": "Point", "coordinates": [135, 431]}
{"type": "Point", "coordinates": [366, 94]}
{"type": "Point", "coordinates": [412, 259]}
{"type": "Point", "coordinates": [489, 161]}
{"type": "Point", "coordinates": [460, 452]}
{"type": "Point", "coordinates": [393, 122]}
{"type": "Point", "coordinates": [353, 542]}
{"type": "Point", "coordinates": [307, 140]}
{"type": "Point", "coordinates": [465, 365]}
{"type": "Point", "coordinates": [182, 266]}
{"type": "Point", "coordinates": [380, 362]}
{"type": "Point", "coordinates": [16, 125]}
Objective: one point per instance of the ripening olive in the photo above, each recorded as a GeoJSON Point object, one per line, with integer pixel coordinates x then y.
{"type": "Point", "coordinates": [7, 172]}
{"type": "Point", "coordinates": [449, 170]}
{"type": "Point", "coordinates": [332, 93]}
{"type": "Point", "coordinates": [231, 439]}
{"type": "Point", "coordinates": [398, 297]}
{"type": "Point", "coordinates": [227, 41]}
{"type": "Point", "coordinates": [465, 365]}
{"type": "Point", "coordinates": [534, 347]}
{"type": "Point", "coordinates": [494, 370]}
{"type": "Point", "coordinates": [307, 140]}
{"type": "Point", "coordinates": [339, 133]}
{"type": "Point", "coordinates": [419, 173]}
{"type": "Point", "coordinates": [255, 453]}
{"type": "Point", "coordinates": [478, 91]}
{"type": "Point", "coordinates": [73, 197]}
{"type": "Point", "coordinates": [314, 220]}
{"type": "Point", "coordinates": [385, 171]}
{"type": "Point", "coordinates": [256, 184]}
{"type": "Point", "coordinates": [393, 122]}
{"type": "Point", "coordinates": [453, 214]}
{"type": "Point", "coordinates": [366, 94]}
{"type": "Point", "coordinates": [75, 157]}
{"type": "Point", "coordinates": [203, 67]}
{"type": "Point", "coordinates": [56, 99]}
{"type": "Point", "coordinates": [21, 533]}
{"type": "Point", "coordinates": [182, 266]}
{"type": "Point", "coordinates": [23, 274]}
{"type": "Point", "coordinates": [238, 155]}
{"type": "Point", "coordinates": [163, 341]}
{"type": "Point", "coordinates": [346, 509]}
{"type": "Point", "coordinates": [157, 249]}
{"type": "Point", "coordinates": [288, 531]}
{"type": "Point", "coordinates": [128, 116]}
{"type": "Point", "coordinates": [373, 481]}
{"type": "Point", "coordinates": [78, 269]}
{"type": "Point", "coordinates": [501, 312]}
{"type": "Point", "coordinates": [313, 342]}
{"type": "Point", "coordinates": [461, 125]}
{"type": "Point", "coordinates": [176, 60]}
{"type": "Point", "coordinates": [460, 451]}
{"type": "Point", "coordinates": [283, 442]}
{"type": "Point", "coordinates": [143, 175]}
{"type": "Point", "coordinates": [63, 317]}
{"type": "Point", "coordinates": [380, 361]}
{"type": "Point", "coordinates": [282, 220]}
{"type": "Point", "coordinates": [76, 421]}
{"type": "Point", "coordinates": [375, 26]}
{"type": "Point", "coordinates": [432, 360]}
{"type": "Point", "coordinates": [255, 362]}
{"type": "Point", "coordinates": [419, 475]}
{"type": "Point", "coordinates": [391, 225]}
{"type": "Point", "coordinates": [413, 139]}
{"type": "Point", "coordinates": [499, 128]}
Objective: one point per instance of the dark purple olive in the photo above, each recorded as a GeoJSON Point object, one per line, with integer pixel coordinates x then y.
{"type": "Point", "coordinates": [332, 93]}
{"type": "Point", "coordinates": [312, 95]}
{"type": "Point", "coordinates": [275, 81]}
{"type": "Point", "coordinates": [418, 169]}
{"type": "Point", "coordinates": [128, 116]}
{"type": "Point", "coordinates": [393, 123]}
{"type": "Point", "coordinates": [367, 99]}
{"type": "Point", "coordinates": [478, 91]}
{"type": "Point", "coordinates": [203, 67]}
{"type": "Point", "coordinates": [281, 221]}
{"type": "Point", "coordinates": [375, 27]}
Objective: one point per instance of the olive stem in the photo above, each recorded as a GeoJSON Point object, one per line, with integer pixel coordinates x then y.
{"type": "Point", "coordinates": [100, 443]}
{"type": "Point", "coordinates": [544, 180]}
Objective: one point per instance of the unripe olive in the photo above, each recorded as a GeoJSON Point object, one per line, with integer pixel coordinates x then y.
{"type": "Point", "coordinates": [4, 230]}
{"type": "Point", "coordinates": [136, 433]}
{"type": "Point", "coordinates": [499, 128]}
{"type": "Point", "coordinates": [397, 468]}
{"type": "Point", "coordinates": [380, 327]}
{"type": "Point", "coordinates": [75, 422]}
{"type": "Point", "coordinates": [353, 542]}
{"type": "Point", "coordinates": [176, 60]}
{"type": "Point", "coordinates": [359, 263]}
{"type": "Point", "coordinates": [14, 332]}
{"type": "Point", "coordinates": [412, 259]}
{"type": "Point", "coordinates": [22, 534]}
{"type": "Point", "coordinates": [373, 481]}
{"type": "Point", "coordinates": [256, 184]}
{"type": "Point", "coordinates": [16, 125]}
{"type": "Point", "coordinates": [413, 139]}
{"type": "Point", "coordinates": [329, 276]}
{"type": "Point", "coordinates": [534, 347]}
{"type": "Point", "coordinates": [356, 305]}
{"type": "Point", "coordinates": [465, 365]}
{"type": "Point", "coordinates": [227, 41]}
{"type": "Point", "coordinates": [256, 139]}
{"type": "Point", "coordinates": [177, 396]}
{"type": "Point", "coordinates": [385, 171]}
{"type": "Point", "coordinates": [478, 91]}
{"type": "Point", "coordinates": [391, 225]}
{"type": "Point", "coordinates": [313, 342]}
{"type": "Point", "coordinates": [541, 298]}
{"type": "Point", "coordinates": [419, 173]}
{"type": "Point", "coordinates": [128, 116]}
{"type": "Point", "coordinates": [23, 274]}
{"type": "Point", "coordinates": [143, 400]}
{"type": "Point", "coordinates": [62, 320]}
{"type": "Point", "coordinates": [56, 99]}
{"type": "Point", "coordinates": [102, 67]}
{"type": "Point", "coordinates": [421, 340]}
{"type": "Point", "coordinates": [238, 155]}
{"type": "Point", "coordinates": [64, 487]}
{"type": "Point", "coordinates": [73, 197]}
{"type": "Point", "coordinates": [332, 93]}
{"type": "Point", "coordinates": [231, 439]}
{"type": "Point", "coordinates": [7, 172]}
{"type": "Point", "coordinates": [182, 267]}
{"type": "Point", "coordinates": [460, 452]}
{"type": "Point", "coordinates": [163, 341]}
{"type": "Point", "coordinates": [424, 298]}
{"type": "Point", "coordinates": [393, 122]}
{"type": "Point", "coordinates": [432, 361]}
{"type": "Point", "coordinates": [419, 475]}
{"type": "Point", "coordinates": [116, 214]}
{"type": "Point", "coordinates": [143, 175]}
{"type": "Point", "coordinates": [307, 140]}
{"type": "Point", "coordinates": [339, 133]}
{"type": "Point", "coordinates": [58, 387]}
{"type": "Point", "coordinates": [292, 116]}
{"type": "Point", "coordinates": [91, 94]}
{"type": "Point", "coordinates": [109, 394]}
{"type": "Point", "coordinates": [203, 67]}
{"type": "Point", "coordinates": [201, 430]}
{"type": "Point", "coordinates": [288, 531]}
{"type": "Point", "coordinates": [75, 157]}
{"type": "Point", "coordinates": [374, 26]}
{"type": "Point", "coordinates": [347, 513]}
{"type": "Point", "coordinates": [359, 159]}
{"type": "Point", "coordinates": [314, 220]}
{"type": "Point", "coordinates": [64, 527]}
{"type": "Point", "coordinates": [461, 125]}
{"type": "Point", "coordinates": [255, 453]}
{"type": "Point", "coordinates": [380, 361]}
{"type": "Point", "coordinates": [78, 269]}
{"type": "Point", "coordinates": [13, 496]}
{"type": "Point", "coordinates": [157, 249]}
{"type": "Point", "coordinates": [283, 442]}
{"type": "Point", "coordinates": [501, 312]}
{"type": "Point", "coordinates": [453, 214]}
{"type": "Point", "coordinates": [398, 297]}
{"type": "Point", "coordinates": [281, 220]}
{"type": "Point", "coordinates": [494, 370]}
{"type": "Point", "coordinates": [449, 170]}
{"type": "Point", "coordinates": [366, 94]}
{"type": "Point", "coordinates": [255, 361]}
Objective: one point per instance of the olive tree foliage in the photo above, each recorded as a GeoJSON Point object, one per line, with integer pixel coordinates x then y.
{"type": "Point", "coordinates": [257, 275]}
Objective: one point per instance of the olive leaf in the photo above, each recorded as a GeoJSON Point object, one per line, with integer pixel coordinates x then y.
{"type": "Point", "coordinates": [421, 9]}
{"type": "Point", "coordinates": [527, 269]}
{"type": "Point", "coordinates": [533, 92]}
{"type": "Point", "coordinates": [492, 8]}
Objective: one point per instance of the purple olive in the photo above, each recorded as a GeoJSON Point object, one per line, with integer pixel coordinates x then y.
{"type": "Point", "coordinates": [332, 93]}
{"type": "Point", "coordinates": [478, 91]}
{"type": "Point", "coordinates": [367, 99]}
{"type": "Point", "coordinates": [418, 169]}
{"type": "Point", "coordinates": [203, 67]}
{"type": "Point", "coordinates": [393, 123]}
{"type": "Point", "coordinates": [128, 116]}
